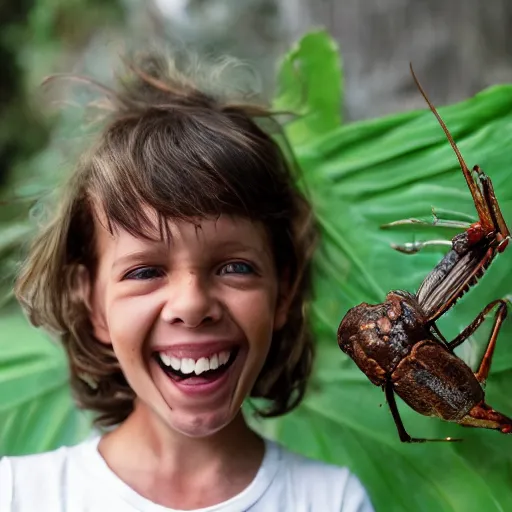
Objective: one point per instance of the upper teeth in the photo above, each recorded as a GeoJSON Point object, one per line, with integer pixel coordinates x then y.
{"type": "Point", "coordinates": [187, 365]}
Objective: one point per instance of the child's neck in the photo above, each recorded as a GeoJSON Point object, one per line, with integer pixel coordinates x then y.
{"type": "Point", "coordinates": [178, 471]}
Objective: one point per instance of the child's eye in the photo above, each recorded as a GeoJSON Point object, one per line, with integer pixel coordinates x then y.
{"type": "Point", "coordinates": [144, 273]}
{"type": "Point", "coordinates": [238, 267]}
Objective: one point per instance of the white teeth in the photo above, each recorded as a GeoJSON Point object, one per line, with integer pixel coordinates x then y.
{"type": "Point", "coordinates": [175, 363]}
{"type": "Point", "coordinates": [203, 365]}
{"type": "Point", "coordinates": [223, 357]}
{"type": "Point", "coordinates": [166, 359]}
{"type": "Point", "coordinates": [187, 366]}
{"type": "Point", "coordinates": [214, 362]}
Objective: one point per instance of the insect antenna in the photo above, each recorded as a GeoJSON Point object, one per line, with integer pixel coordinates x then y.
{"type": "Point", "coordinates": [473, 187]}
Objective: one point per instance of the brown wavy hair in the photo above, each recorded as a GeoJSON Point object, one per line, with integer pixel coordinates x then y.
{"type": "Point", "coordinates": [186, 152]}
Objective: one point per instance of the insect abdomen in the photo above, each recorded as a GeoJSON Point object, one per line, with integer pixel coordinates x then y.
{"type": "Point", "coordinates": [434, 382]}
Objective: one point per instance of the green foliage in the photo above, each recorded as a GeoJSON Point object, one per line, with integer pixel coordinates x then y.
{"type": "Point", "coordinates": [359, 177]}
{"type": "Point", "coordinates": [310, 88]}
{"type": "Point", "coordinates": [37, 39]}
{"type": "Point", "coordinates": [21, 131]}
{"type": "Point", "coordinates": [36, 409]}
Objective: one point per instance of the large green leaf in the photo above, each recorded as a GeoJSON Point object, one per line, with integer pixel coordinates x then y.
{"type": "Point", "coordinates": [309, 86]}
{"type": "Point", "coordinates": [36, 409]}
{"type": "Point", "coordinates": [361, 176]}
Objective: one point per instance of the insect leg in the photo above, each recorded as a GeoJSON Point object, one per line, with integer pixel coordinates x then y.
{"type": "Point", "coordinates": [493, 206]}
{"type": "Point", "coordinates": [485, 364]}
{"type": "Point", "coordinates": [414, 247]}
{"type": "Point", "coordinates": [500, 315]}
{"type": "Point", "coordinates": [438, 223]}
{"type": "Point", "coordinates": [438, 333]}
{"type": "Point", "coordinates": [482, 415]}
{"type": "Point", "coordinates": [402, 433]}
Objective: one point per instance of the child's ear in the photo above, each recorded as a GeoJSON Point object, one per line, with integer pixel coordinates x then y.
{"type": "Point", "coordinates": [96, 312]}
{"type": "Point", "coordinates": [284, 300]}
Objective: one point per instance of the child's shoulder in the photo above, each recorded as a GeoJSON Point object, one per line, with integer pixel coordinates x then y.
{"type": "Point", "coordinates": [323, 485]}
{"type": "Point", "coordinates": [304, 466]}
{"type": "Point", "coordinates": [28, 481]}
{"type": "Point", "coordinates": [41, 462]}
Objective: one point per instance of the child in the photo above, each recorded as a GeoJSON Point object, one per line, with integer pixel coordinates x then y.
{"type": "Point", "coordinates": [175, 271]}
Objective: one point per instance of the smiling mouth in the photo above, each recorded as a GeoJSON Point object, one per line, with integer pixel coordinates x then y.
{"type": "Point", "coordinates": [203, 369]}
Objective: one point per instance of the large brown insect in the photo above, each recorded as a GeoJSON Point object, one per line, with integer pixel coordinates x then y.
{"type": "Point", "coordinates": [397, 343]}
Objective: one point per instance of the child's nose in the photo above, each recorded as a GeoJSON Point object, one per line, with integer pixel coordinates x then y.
{"type": "Point", "coordinates": [190, 302]}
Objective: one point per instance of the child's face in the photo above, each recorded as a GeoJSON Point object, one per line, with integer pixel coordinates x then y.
{"type": "Point", "coordinates": [209, 295]}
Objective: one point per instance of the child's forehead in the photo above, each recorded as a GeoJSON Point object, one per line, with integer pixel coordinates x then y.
{"type": "Point", "coordinates": [152, 229]}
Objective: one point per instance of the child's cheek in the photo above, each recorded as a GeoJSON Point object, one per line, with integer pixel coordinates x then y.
{"type": "Point", "coordinates": [254, 312]}
{"type": "Point", "coordinates": [131, 320]}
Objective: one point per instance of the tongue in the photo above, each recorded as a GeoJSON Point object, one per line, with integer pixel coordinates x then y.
{"type": "Point", "coordinates": [192, 378]}
{"type": "Point", "coordinates": [197, 379]}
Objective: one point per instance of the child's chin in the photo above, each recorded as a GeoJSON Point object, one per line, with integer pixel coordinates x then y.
{"type": "Point", "coordinates": [200, 424]}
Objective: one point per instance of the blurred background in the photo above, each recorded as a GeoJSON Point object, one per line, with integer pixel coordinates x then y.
{"type": "Point", "coordinates": [457, 49]}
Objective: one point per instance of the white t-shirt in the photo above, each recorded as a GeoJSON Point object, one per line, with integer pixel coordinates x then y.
{"type": "Point", "coordinates": [77, 479]}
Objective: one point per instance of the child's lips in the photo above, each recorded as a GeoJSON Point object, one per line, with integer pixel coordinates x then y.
{"type": "Point", "coordinates": [204, 384]}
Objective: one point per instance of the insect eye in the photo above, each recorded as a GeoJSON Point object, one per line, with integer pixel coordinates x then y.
{"type": "Point", "coordinates": [144, 273]}
{"type": "Point", "coordinates": [238, 267]}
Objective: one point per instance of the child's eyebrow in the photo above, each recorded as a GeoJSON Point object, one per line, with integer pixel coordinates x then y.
{"type": "Point", "coordinates": [135, 256]}
{"type": "Point", "coordinates": [237, 245]}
